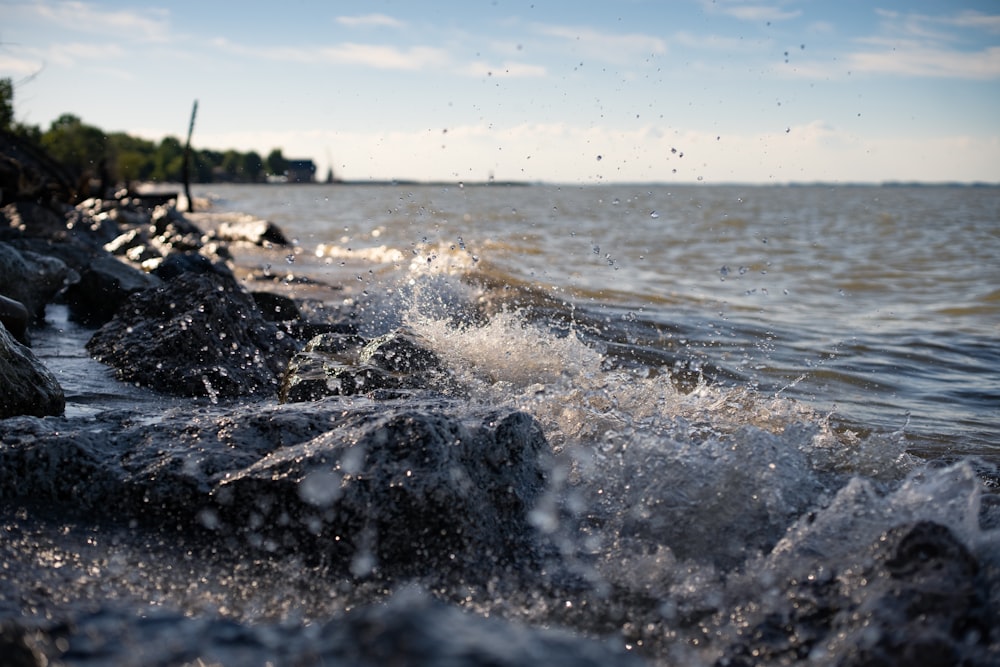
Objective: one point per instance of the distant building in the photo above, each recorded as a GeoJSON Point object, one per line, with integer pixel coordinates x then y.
{"type": "Point", "coordinates": [300, 171]}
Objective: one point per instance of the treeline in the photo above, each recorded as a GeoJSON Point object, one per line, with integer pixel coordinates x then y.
{"type": "Point", "coordinates": [118, 157]}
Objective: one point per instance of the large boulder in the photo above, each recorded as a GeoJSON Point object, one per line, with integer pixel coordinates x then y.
{"type": "Point", "coordinates": [26, 386]}
{"type": "Point", "coordinates": [200, 334]}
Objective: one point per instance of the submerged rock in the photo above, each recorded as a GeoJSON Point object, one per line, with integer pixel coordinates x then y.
{"type": "Point", "coordinates": [26, 386]}
{"type": "Point", "coordinates": [198, 335]}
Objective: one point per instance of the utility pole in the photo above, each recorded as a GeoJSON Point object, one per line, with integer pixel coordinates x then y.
{"type": "Point", "coordinates": [186, 171]}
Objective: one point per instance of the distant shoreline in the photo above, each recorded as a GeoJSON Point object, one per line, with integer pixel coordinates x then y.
{"type": "Point", "coordinates": [155, 187]}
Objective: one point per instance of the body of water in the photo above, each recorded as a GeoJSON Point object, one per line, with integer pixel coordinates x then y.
{"type": "Point", "coordinates": [878, 307]}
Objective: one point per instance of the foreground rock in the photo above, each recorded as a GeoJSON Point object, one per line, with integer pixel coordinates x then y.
{"type": "Point", "coordinates": [396, 487]}
{"type": "Point", "coordinates": [26, 386]}
{"type": "Point", "coordinates": [914, 598]}
{"type": "Point", "coordinates": [412, 629]}
{"type": "Point", "coordinates": [199, 334]}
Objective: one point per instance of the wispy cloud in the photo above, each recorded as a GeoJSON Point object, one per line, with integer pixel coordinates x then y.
{"type": "Point", "coordinates": [738, 9]}
{"type": "Point", "coordinates": [385, 57]}
{"type": "Point", "coordinates": [149, 24]}
{"type": "Point", "coordinates": [912, 44]}
{"type": "Point", "coordinates": [606, 46]}
{"type": "Point", "coordinates": [916, 60]}
{"type": "Point", "coordinates": [372, 20]}
{"type": "Point", "coordinates": [376, 56]}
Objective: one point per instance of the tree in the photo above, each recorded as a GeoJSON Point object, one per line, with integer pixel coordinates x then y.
{"type": "Point", "coordinates": [6, 104]}
{"type": "Point", "coordinates": [253, 166]}
{"type": "Point", "coordinates": [81, 147]}
{"type": "Point", "coordinates": [276, 162]}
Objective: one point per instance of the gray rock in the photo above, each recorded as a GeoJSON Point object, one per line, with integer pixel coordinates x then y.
{"type": "Point", "coordinates": [26, 386]}
{"type": "Point", "coordinates": [198, 335]}
{"type": "Point", "coordinates": [14, 316]}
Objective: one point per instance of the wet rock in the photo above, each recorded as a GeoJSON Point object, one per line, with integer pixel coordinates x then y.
{"type": "Point", "coordinates": [257, 232]}
{"type": "Point", "coordinates": [31, 278]}
{"type": "Point", "coordinates": [33, 219]}
{"type": "Point", "coordinates": [419, 486]}
{"type": "Point", "coordinates": [177, 263]}
{"type": "Point", "coordinates": [104, 285]}
{"type": "Point", "coordinates": [915, 597]}
{"type": "Point", "coordinates": [14, 317]}
{"type": "Point", "coordinates": [26, 386]}
{"type": "Point", "coordinates": [412, 628]}
{"type": "Point", "coordinates": [398, 488]}
{"type": "Point", "coordinates": [338, 365]}
{"type": "Point", "coordinates": [276, 307]}
{"type": "Point", "coordinates": [199, 334]}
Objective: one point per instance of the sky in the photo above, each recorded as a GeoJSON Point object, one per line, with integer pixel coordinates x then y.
{"type": "Point", "coordinates": [678, 91]}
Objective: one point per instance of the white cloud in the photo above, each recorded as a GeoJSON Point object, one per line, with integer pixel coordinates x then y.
{"type": "Point", "coordinates": [385, 57]}
{"type": "Point", "coordinates": [19, 66]}
{"type": "Point", "coordinates": [149, 24]}
{"type": "Point", "coordinates": [925, 61]}
{"type": "Point", "coordinates": [738, 9]}
{"type": "Point", "coordinates": [376, 20]}
{"type": "Point", "coordinates": [367, 55]}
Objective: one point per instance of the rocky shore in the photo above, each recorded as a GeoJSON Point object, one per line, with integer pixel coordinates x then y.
{"type": "Point", "coordinates": [289, 491]}
{"type": "Point", "coordinates": [367, 471]}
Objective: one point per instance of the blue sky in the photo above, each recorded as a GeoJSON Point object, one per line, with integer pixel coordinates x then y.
{"type": "Point", "coordinates": [680, 91]}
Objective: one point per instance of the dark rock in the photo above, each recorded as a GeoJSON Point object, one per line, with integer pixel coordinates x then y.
{"type": "Point", "coordinates": [26, 386]}
{"type": "Point", "coordinates": [168, 223]}
{"type": "Point", "coordinates": [14, 316]}
{"type": "Point", "coordinates": [27, 173]}
{"type": "Point", "coordinates": [915, 597]}
{"type": "Point", "coordinates": [33, 219]}
{"type": "Point", "coordinates": [276, 307]}
{"type": "Point", "coordinates": [198, 335]}
{"type": "Point", "coordinates": [257, 232]}
{"type": "Point", "coordinates": [178, 263]}
{"type": "Point", "coordinates": [104, 285]}
{"type": "Point", "coordinates": [30, 278]}
{"type": "Point", "coordinates": [412, 628]}
{"type": "Point", "coordinates": [338, 365]}
{"type": "Point", "coordinates": [423, 486]}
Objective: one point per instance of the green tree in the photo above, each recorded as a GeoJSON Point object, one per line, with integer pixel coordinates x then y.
{"type": "Point", "coordinates": [80, 147]}
{"type": "Point", "coordinates": [168, 160]}
{"type": "Point", "coordinates": [276, 162]}
{"type": "Point", "coordinates": [252, 167]}
{"type": "Point", "coordinates": [6, 104]}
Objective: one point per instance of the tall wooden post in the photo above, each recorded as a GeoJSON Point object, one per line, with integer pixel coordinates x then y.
{"type": "Point", "coordinates": [186, 171]}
